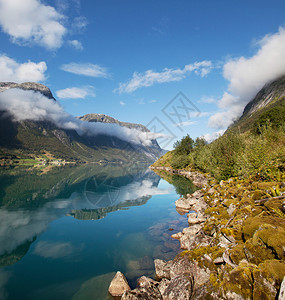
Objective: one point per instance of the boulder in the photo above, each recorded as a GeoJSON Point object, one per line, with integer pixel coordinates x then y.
{"type": "Point", "coordinates": [163, 284]}
{"type": "Point", "coordinates": [179, 288]}
{"type": "Point", "coordinates": [191, 269]}
{"type": "Point", "coordinates": [189, 237]}
{"type": "Point", "coordinates": [195, 218]}
{"type": "Point", "coordinates": [118, 285]}
{"type": "Point", "coordinates": [182, 204]}
{"type": "Point", "coordinates": [147, 289]}
{"type": "Point", "coordinates": [162, 268]}
{"type": "Point", "coordinates": [177, 235]}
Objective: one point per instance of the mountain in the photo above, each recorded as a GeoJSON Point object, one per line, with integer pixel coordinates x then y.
{"type": "Point", "coordinates": [268, 104]}
{"type": "Point", "coordinates": [27, 86]}
{"type": "Point", "coordinates": [20, 138]}
{"type": "Point", "coordinates": [107, 119]}
{"type": "Point", "coordinates": [153, 151]}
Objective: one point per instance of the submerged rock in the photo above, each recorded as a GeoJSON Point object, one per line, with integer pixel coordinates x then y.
{"type": "Point", "coordinates": [118, 285]}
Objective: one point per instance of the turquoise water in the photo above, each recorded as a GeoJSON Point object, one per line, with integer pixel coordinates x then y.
{"type": "Point", "coordinates": [64, 234]}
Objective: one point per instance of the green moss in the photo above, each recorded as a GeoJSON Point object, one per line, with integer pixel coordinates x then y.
{"type": "Point", "coordinates": [235, 233]}
{"type": "Point", "coordinates": [237, 254]}
{"type": "Point", "coordinates": [258, 194]}
{"type": "Point", "coordinates": [273, 271]}
{"type": "Point", "coordinates": [240, 281]}
{"type": "Point", "coordinates": [253, 223]}
{"type": "Point", "coordinates": [256, 251]}
{"type": "Point", "coordinates": [273, 238]}
{"type": "Point", "coordinates": [261, 289]}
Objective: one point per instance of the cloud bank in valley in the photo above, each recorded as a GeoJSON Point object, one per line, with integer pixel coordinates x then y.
{"type": "Point", "coordinates": [247, 76]}
{"type": "Point", "coordinates": [29, 105]}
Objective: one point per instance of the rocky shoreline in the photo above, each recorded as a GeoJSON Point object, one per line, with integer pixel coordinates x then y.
{"type": "Point", "coordinates": [234, 247]}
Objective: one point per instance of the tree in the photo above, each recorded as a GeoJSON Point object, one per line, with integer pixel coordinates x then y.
{"type": "Point", "coordinates": [200, 142]}
{"type": "Point", "coordinates": [184, 146]}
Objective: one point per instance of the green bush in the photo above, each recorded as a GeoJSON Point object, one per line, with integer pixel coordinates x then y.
{"type": "Point", "coordinates": [275, 117]}
{"type": "Point", "coordinates": [179, 161]}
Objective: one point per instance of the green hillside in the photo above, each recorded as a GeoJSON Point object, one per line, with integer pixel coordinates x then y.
{"type": "Point", "coordinates": [253, 146]}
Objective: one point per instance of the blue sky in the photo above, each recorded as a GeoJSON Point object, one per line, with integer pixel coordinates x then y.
{"type": "Point", "coordinates": [129, 59]}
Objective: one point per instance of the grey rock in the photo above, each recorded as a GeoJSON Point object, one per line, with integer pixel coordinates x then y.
{"type": "Point", "coordinates": [147, 289]}
{"type": "Point", "coordinates": [231, 209]}
{"type": "Point", "coordinates": [182, 203]}
{"type": "Point", "coordinates": [27, 86]}
{"type": "Point", "coordinates": [282, 290]}
{"type": "Point", "coordinates": [179, 288]}
{"type": "Point", "coordinates": [189, 236]}
{"type": "Point", "coordinates": [163, 284]}
{"type": "Point", "coordinates": [185, 266]}
{"type": "Point", "coordinates": [195, 218]}
{"type": "Point", "coordinates": [162, 268]}
{"type": "Point", "coordinates": [177, 235]}
{"type": "Point", "coordinates": [218, 260]}
{"type": "Point", "coordinates": [118, 285]}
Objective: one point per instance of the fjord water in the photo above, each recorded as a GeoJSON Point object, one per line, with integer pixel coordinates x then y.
{"type": "Point", "coordinates": [64, 233]}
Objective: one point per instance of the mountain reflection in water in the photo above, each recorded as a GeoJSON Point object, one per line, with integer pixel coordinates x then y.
{"type": "Point", "coordinates": [92, 198]}
{"type": "Point", "coordinates": [64, 233]}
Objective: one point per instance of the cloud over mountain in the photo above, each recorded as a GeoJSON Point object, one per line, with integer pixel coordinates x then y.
{"type": "Point", "coordinates": [10, 70]}
{"type": "Point", "coordinates": [29, 105]}
{"type": "Point", "coordinates": [246, 76]}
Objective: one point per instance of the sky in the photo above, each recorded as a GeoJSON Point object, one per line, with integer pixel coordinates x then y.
{"type": "Point", "coordinates": [178, 67]}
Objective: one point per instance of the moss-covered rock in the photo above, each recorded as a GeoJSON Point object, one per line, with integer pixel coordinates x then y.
{"type": "Point", "coordinates": [252, 224]}
{"type": "Point", "coordinates": [273, 271]}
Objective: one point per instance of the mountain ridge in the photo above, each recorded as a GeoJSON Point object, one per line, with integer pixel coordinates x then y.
{"type": "Point", "coordinates": [270, 97]}
{"type": "Point", "coordinates": [34, 137]}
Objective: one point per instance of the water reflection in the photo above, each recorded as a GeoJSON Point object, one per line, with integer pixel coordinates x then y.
{"type": "Point", "coordinates": [49, 251]}
{"type": "Point", "coordinates": [87, 197]}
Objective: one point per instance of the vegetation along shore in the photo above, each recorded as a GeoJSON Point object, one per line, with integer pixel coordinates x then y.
{"type": "Point", "coordinates": [234, 246]}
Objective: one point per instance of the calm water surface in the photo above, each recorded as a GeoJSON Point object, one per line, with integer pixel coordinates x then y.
{"type": "Point", "coordinates": [64, 233]}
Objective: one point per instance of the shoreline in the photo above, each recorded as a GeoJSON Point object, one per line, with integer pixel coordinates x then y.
{"type": "Point", "coordinates": [226, 254]}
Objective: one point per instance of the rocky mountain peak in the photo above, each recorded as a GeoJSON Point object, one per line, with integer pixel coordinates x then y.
{"type": "Point", "coordinates": [271, 92]}
{"type": "Point", "coordinates": [28, 86]}
{"type": "Point", "coordinates": [107, 119]}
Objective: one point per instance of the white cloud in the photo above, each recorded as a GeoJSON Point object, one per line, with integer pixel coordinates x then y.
{"type": "Point", "coordinates": [79, 24]}
{"type": "Point", "coordinates": [209, 137]}
{"type": "Point", "coordinates": [247, 76]}
{"type": "Point", "coordinates": [149, 77]}
{"type": "Point", "coordinates": [10, 70]}
{"type": "Point", "coordinates": [207, 100]}
{"type": "Point", "coordinates": [76, 44]}
{"type": "Point", "coordinates": [86, 69]}
{"type": "Point", "coordinates": [75, 93]}
{"type": "Point", "coordinates": [122, 103]}
{"type": "Point", "coordinates": [186, 123]}
{"type": "Point", "coordinates": [30, 105]}
{"type": "Point", "coordinates": [55, 250]}
{"type": "Point", "coordinates": [31, 22]}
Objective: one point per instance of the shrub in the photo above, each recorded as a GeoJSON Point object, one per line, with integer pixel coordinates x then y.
{"type": "Point", "coordinates": [179, 161]}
